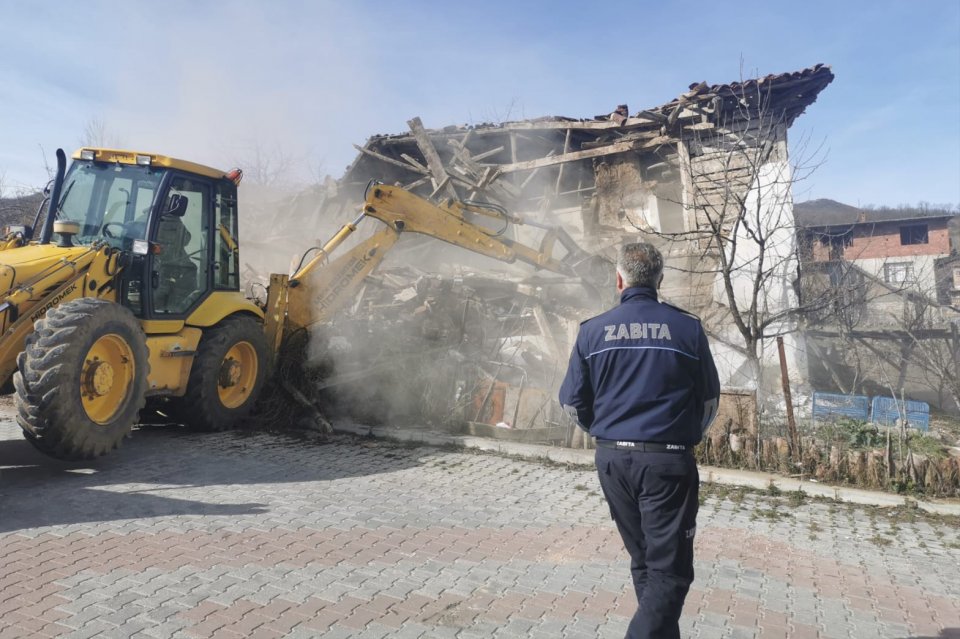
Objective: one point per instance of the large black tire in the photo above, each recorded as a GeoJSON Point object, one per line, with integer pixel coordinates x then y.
{"type": "Point", "coordinates": [226, 377]}
{"type": "Point", "coordinates": [82, 379]}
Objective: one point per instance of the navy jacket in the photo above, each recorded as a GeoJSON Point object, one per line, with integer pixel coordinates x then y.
{"type": "Point", "coordinates": [642, 372]}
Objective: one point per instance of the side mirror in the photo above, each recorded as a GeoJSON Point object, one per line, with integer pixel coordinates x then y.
{"type": "Point", "coordinates": [177, 206]}
{"type": "Point", "coordinates": [48, 188]}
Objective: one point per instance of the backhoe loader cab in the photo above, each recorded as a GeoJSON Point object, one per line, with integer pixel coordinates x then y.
{"type": "Point", "coordinates": [129, 291]}
{"type": "Point", "coordinates": [176, 220]}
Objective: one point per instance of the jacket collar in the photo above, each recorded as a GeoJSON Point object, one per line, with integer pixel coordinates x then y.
{"type": "Point", "coordinates": [637, 293]}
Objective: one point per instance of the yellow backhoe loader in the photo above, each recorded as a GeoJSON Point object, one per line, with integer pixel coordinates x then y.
{"type": "Point", "coordinates": [130, 289]}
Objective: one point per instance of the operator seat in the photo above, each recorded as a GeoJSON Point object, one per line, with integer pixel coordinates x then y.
{"type": "Point", "coordinates": [177, 273]}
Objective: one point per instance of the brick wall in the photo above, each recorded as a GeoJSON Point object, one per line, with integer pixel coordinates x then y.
{"type": "Point", "coordinates": [883, 240]}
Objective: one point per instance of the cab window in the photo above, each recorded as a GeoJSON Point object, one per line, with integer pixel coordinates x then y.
{"type": "Point", "coordinates": [181, 234]}
{"type": "Point", "coordinates": [109, 201]}
{"type": "Point", "coordinates": [226, 258]}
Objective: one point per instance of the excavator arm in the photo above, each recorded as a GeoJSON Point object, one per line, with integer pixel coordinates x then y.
{"type": "Point", "coordinates": [321, 287]}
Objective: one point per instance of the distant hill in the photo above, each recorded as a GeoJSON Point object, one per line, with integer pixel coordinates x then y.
{"type": "Point", "coordinates": [19, 210]}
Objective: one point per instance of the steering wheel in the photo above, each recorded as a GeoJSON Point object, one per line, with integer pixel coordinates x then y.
{"type": "Point", "coordinates": [112, 212]}
{"type": "Point", "coordinates": [105, 229]}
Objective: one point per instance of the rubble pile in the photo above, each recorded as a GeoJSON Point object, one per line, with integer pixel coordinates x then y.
{"type": "Point", "coordinates": [472, 352]}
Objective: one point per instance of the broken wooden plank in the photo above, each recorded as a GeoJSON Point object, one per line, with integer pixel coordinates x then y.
{"type": "Point", "coordinates": [534, 172]}
{"type": "Point", "coordinates": [412, 160]}
{"type": "Point", "coordinates": [467, 165]}
{"type": "Point", "coordinates": [489, 175]}
{"type": "Point", "coordinates": [566, 149]}
{"type": "Point", "coordinates": [383, 158]}
{"type": "Point", "coordinates": [583, 125]}
{"type": "Point", "coordinates": [440, 178]}
{"type": "Point", "coordinates": [440, 187]}
{"type": "Point", "coordinates": [686, 187]}
{"type": "Point", "coordinates": [635, 136]}
{"type": "Point", "coordinates": [646, 119]}
{"type": "Point", "coordinates": [656, 117]}
{"type": "Point", "coordinates": [413, 185]}
{"type": "Point", "coordinates": [483, 156]}
{"type": "Point", "coordinates": [617, 147]}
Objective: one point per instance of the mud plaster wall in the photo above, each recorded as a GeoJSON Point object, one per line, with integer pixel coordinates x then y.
{"type": "Point", "coordinates": [620, 192]}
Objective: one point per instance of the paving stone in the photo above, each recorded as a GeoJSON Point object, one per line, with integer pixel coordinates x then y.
{"type": "Point", "coordinates": [183, 535]}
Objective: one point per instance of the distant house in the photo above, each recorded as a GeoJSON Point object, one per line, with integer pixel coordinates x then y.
{"type": "Point", "coordinates": [904, 248]}
{"type": "Point", "coordinates": [881, 295]}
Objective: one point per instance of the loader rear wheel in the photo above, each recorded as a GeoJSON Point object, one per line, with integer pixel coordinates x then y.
{"type": "Point", "coordinates": [227, 375]}
{"type": "Point", "coordinates": [82, 379]}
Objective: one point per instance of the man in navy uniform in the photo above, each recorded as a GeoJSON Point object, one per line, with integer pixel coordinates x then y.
{"type": "Point", "coordinates": [642, 381]}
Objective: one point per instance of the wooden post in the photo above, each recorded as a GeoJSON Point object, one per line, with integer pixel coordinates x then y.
{"type": "Point", "coordinates": [791, 422]}
{"type": "Point", "coordinates": [566, 149]}
{"type": "Point", "coordinates": [955, 334]}
{"type": "Point", "coordinates": [608, 149]}
{"type": "Point", "coordinates": [441, 181]}
{"type": "Point", "coordinates": [686, 188]}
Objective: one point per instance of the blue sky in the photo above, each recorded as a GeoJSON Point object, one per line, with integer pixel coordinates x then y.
{"type": "Point", "coordinates": [213, 81]}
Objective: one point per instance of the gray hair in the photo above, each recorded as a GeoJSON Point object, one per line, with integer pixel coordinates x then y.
{"type": "Point", "coordinates": [640, 264]}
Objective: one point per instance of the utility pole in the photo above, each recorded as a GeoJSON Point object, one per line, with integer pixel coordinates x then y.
{"type": "Point", "coordinates": [791, 422]}
{"type": "Point", "coordinates": [955, 344]}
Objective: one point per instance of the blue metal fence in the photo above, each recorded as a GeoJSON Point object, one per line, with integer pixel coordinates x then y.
{"type": "Point", "coordinates": [882, 410]}
{"type": "Point", "coordinates": [886, 411]}
{"type": "Point", "coordinates": [826, 405]}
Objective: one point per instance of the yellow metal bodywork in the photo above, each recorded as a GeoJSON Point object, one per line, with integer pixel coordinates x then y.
{"type": "Point", "coordinates": [321, 287]}
{"type": "Point", "coordinates": [447, 222]}
{"type": "Point", "coordinates": [173, 343]}
{"type": "Point", "coordinates": [36, 278]}
{"type": "Point", "coordinates": [130, 157]}
{"type": "Point", "coordinates": [275, 313]}
{"type": "Point", "coordinates": [162, 327]}
{"type": "Point", "coordinates": [238, 374]}
{"type": "Point", "coordinates": [228, 239]}
{"type": "Point", "coordinates": [318, 293]}
{"type": "Point", "coordinates": [214, 308]}
{"type": "Point", "coordinates": [219, 305]}
{"type": "Point", "coordinates": [171, 357]}
{"type": "Point", "coordinates": [106, 378]}
{"type": "Point", "coordinates": [11, 241]}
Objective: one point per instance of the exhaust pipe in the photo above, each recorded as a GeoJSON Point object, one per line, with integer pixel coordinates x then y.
{"type": "Point", "coordinates": [54, 204]}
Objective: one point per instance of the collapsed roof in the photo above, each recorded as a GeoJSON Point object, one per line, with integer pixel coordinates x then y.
{"type": "Point", "coordinates": [552, 157]}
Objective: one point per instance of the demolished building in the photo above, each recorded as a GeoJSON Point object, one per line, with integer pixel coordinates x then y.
{"type": "Point", "coordinates": [702, 176]}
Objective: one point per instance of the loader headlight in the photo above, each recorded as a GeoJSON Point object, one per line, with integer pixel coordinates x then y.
{"type": "Point", "coordinates": [144, 160]}
{"type": "Point", "coordinates": [141, 247]}
{"type": "Point", "coordinates": [88, 154]}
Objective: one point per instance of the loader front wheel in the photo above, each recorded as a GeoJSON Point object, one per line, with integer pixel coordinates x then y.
{"type": "Point", "coordinates": [82, 379]}
{"type": "Point", "coordinates": [227, 375]}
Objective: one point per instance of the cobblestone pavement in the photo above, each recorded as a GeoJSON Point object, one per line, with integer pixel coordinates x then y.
{"type": "Point", "coordinates": [261, 535]}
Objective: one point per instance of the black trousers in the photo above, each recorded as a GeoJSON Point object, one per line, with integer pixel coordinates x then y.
{"type": "Point", "coordinates": [653, 498]}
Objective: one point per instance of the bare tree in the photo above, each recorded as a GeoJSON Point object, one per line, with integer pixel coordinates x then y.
{"type": "Point", "coordinates": [97, 134]}
{"type": "Point", "coordinates": [734, 257]}
{"type": "Point", "coordinates": [275, 166]}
